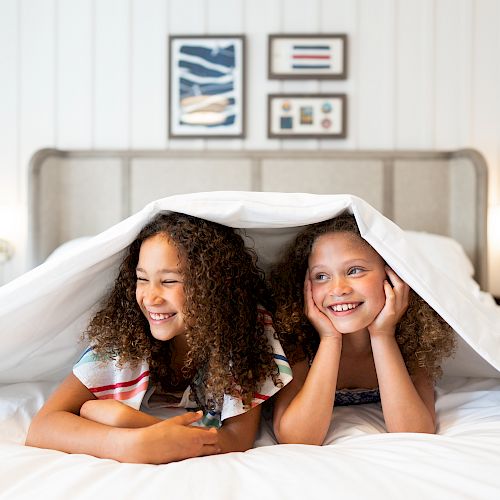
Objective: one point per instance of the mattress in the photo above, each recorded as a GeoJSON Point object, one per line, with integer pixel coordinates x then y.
{"type": "Point", "coordinates": [358, 460]}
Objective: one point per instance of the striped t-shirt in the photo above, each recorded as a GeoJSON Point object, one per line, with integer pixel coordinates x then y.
{"type": "Point", "coordinates": [129, 383]}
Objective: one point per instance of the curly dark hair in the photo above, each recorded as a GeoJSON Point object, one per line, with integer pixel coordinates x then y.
{"type": "Point", "coordinates": [223, 287]}
{"type": "Point", "coordinates": [424, 338]}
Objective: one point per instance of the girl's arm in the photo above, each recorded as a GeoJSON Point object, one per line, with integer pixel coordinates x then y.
{"type": "Point", "coordinates": [303, 409]}
{"type": "Point", "coordinates": [236, 434]}
{"type": "Point", "coordinates": [59, 426]}
{"type": "Point", "coordinates": [116, 414]}
{"type": "Point", "coordinates": [408, 405]}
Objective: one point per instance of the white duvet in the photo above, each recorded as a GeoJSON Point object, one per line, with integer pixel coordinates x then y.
{"type": "Point", "coordinates": [43, 313]}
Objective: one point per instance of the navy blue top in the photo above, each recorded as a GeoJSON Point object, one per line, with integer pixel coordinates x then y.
{"type": "Point", "coordinates": [346, 397]}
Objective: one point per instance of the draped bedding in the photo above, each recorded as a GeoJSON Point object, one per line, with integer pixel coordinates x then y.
{"type": "Point", "coordinates": [43, 312]}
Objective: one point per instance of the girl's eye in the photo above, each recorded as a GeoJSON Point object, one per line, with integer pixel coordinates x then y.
{"type": "Point", "coordinates": [355, 270]}
{"type": "Point", "coordinates": [321, 277]}
{"type": "Point", "coordinates": [169, 282]}
{"type": "Point", "coordinates": [141, 279]}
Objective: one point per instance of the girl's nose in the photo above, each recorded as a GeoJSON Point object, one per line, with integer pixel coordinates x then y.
{"type": "Point", "coordinates": [152, 296]}
{"type": "Point", "coordinates": [340, 287]}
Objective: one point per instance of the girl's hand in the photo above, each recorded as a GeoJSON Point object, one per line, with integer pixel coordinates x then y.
{"type": "Point", "coordinates": [318, 319]}
{"type": "Point", "coordinates": [174, 439]}
{"type": "Point", "coordinates": [396, 303]}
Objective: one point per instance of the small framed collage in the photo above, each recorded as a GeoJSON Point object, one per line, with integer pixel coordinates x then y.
{"type": "Point", "coordinates": [307, 116]}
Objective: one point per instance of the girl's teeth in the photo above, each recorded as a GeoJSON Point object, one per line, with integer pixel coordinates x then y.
{"type": "Point", "coordinates": [343, 307]}
{"type": "Point", "coordinates": [159, 317]}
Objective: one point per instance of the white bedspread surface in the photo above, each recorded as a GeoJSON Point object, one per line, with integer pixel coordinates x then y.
{"type": "Point", "coordinates": [359, 461]}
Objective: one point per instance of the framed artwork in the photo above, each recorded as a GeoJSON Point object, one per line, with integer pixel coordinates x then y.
{"type": "Point", "coordinates": [308, 116]}
{"type": "Point", "coordinates": [307, 56]}
{"type": "Point", "coordinates": [206, 86]}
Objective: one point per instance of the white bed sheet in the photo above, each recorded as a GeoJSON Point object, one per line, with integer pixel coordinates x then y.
{"type": "Point", "coordinates": [359, 460]}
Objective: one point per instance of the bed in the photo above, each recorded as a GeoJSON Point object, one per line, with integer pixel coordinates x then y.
{"type": "Point", "coordinates": [438, 198]}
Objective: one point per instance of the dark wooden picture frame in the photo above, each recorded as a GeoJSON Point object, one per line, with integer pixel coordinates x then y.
{"type": "Point", "coordinates": [318, 116]}
{"type": "Point", "coordinates": [206, 92]}
{"type": "Point", "coordinates": [307, 56]}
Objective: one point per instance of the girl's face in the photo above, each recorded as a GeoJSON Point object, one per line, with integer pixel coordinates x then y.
{"type": "Point", "coordinates": [159, 290]}
{"type": "Point", "coordinates": [347, 278]}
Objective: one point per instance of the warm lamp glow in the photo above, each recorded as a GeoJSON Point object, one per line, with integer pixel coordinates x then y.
{"type": "Point", "coordinates": [10, 224]}
{"type": "Point", "coordinates": [494, 249]}
{"type": "Point", "coordinates": [6, 251]}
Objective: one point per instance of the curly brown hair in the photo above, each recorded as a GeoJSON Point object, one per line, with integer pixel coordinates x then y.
{"type": "Point", "coordinates": [223, 287]}
{"type": "Point", "coordinates": [424, 338]}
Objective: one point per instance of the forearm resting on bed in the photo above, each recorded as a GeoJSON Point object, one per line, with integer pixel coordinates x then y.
{"type": "Point", "coordinates": [64, 431]}
{"type": "Point", "coordinates": [116, 414]}
{"type": "Point", "coordinates": [59, 426]}
{"type": "Point", "coordinates": [238, 433]}
{"type": "Point", "coordinates": [167, 441]}
{"type": "Point", "coordinates": [303, 410]}
{"type": "Point", "coordinates": [407, 403]}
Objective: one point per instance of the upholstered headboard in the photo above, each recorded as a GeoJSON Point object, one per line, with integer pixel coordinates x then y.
{"type": "Point", "coordinates": [81, 193]}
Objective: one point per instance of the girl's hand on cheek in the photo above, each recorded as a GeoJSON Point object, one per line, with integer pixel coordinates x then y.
{"type": "Point", "coordinates": [396, 303]}
{"type": "Point", "coordinates": [318, 319]}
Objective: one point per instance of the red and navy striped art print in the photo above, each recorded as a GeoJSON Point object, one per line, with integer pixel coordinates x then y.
{"type": "Point", "coordinates": [308, 56]}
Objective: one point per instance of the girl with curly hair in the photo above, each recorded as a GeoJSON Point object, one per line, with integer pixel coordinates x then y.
{"type": "Point", "coordinates": [355, 333]}
{"type": "Point", "coordinates": [183, 326]}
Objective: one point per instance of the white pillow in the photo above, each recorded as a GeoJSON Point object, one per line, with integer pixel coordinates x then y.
{"type": "Point", "coordinates": [445, 253]}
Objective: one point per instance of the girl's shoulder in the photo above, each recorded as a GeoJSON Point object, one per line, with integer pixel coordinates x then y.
{"type": "Point", "coordinates": [109, 378]}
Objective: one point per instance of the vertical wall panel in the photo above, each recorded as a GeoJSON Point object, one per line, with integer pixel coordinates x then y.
{"type": "Point", "coordinates": [37, 83]}
{"type": "Point", "coordinates": [339, 16]}
{"type": "Point", "coordinates": [257, 28]}
{"type": "Point", "coordinates": [148, 74]}
{"type": "Point", "coordinates": [36, 100]}
{"type": "Point", "coordinates": [414, 74]}
{"type": "Point", "coordinates": [453, 75]}
{"type": "Point", "coordinates": [185, 17]}
{"type": "Point", "coordinates": [74, 74]}
{"type": "Point", "coordinates": [486, 84]}
{"type": "Point", "coordinates": [224, 17]}
{"type": "Point", "coordinates": [112, 74]}
{"type": "Point", "coordinates": [9, 102]}
{"type": "Point", "coordinates": [300, 17]}
{"type": "Point", "coordinates": [219, 12]}
{"type": "Point", "coordinates": [376, 75]}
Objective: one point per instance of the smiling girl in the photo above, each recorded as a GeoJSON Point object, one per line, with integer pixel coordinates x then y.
{"type": "Point", "coordinates": [355, 333]}
{"type": "Point", "coordinates": [184, 327]}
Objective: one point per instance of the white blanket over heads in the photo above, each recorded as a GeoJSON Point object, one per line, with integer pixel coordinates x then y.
{"type": "Point", "coordinates": [44, 312]}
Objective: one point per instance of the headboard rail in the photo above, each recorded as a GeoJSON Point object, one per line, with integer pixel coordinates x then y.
{"type": "Point", "coordinates": [82, 192]}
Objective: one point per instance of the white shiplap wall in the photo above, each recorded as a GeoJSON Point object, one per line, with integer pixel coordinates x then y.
{"type": "Point", "coordinates": [423, 74]}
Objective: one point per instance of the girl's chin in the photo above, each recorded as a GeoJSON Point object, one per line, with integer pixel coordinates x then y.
{"type": "Point", "coordinates": [350, 330]}
{"type": "Point", "coordinates": [164, 336]}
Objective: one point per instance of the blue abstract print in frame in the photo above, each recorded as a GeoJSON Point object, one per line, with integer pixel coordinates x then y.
{"type": "Point", "coordinates": [206, 86]}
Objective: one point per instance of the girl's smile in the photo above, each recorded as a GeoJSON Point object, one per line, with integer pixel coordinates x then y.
{"type": "Point", "coordinates": [347, 278]}
{"type": "Point", "coordinates": [159, 318]}
{"type": "Point", "coordinates": [159, 288]}
{"type": "Point", "coordinates": [343, 308]}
